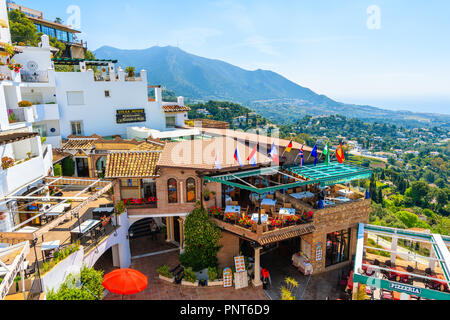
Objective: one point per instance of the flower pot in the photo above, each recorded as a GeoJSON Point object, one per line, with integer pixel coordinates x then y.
{"type": "Point", "coordinates": [215, 283]}
{"type": "Point", "coordinates": [171, 280]}
{"type": "Point", "coordinates": [189, 284]}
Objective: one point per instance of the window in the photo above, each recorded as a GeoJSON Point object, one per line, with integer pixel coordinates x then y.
{"type": "Point", "coordinates": [172, 191]}
{"type": "Point", "coordinates": [107, 94]}
{"type": "Point", "coordinates": [338, 247]}
{"type": "Point", "coordinates": [77, 128]}
{"type": "Point", "coordinates": [170, 122]}
{"type": "Point", "coordinates": [41, 129]}
{"type": "Point", "coordinates": [75, 98]}
{"type": "Point", "coordinates": [129, 183]}
{"type": "Point", "coordinates": [190, 190]}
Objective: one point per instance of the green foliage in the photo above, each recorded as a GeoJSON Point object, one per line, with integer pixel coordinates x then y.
{"type": "Point", "coordinates": [68, 167]}
{"type": "Point", "coordinates": [58, 256]}
{"type": "Point", "coordinates": [164, 271]}
{"type": "Point", "coordinates": [120, 207]}
{"type": "Point", "coordinates": [57, 170]}
{"type": "Point", "coordinates": [417, 192]}
{"type": "Point", "coordinates": [212, 273]}
{"type": "Point", "coordinates": [201, 241]}
{"type": "Point", "coordinates": [91, 288]}
{"type": "Point", "coordinates": [89, 55]}
{"type": "Point", "coordinates": [22, 29]}
{"type": "Point", "coordinates": [130, 71]}
{"type": "Point", "coordinates": [189, 275]}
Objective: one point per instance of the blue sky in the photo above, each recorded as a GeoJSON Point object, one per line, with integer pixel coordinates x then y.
{"type": "Point", "coordinates": [323, 45]}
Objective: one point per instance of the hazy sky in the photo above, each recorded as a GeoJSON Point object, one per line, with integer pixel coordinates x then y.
{"type": "Point", "coordinates": [324, 45]}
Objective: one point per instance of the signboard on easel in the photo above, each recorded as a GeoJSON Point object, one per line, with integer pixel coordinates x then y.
{"type": "Point", "coordinates": [319, 251]}
{"type": "Point", "coordinates": [240, 280]}
{"type": "Point", "coordinates": [239, 263]}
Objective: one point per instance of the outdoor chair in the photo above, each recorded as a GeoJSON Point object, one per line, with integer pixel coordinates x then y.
{"type": "Point", "coordinates": [376, 262]}
{"type": "Point", "coordinates": [428, 271]}
{"type": "Point", "coordinates": [31, 270]}
{"type": "Point", "coordinates": [410, 269]}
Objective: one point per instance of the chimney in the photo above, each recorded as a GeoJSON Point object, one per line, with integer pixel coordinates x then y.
{"type": "Point", "coordinates": [181, 101]}
{"type": "Point", "coordinates": [158, 94]}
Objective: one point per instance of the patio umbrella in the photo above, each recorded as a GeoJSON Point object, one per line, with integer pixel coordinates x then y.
{"type": "Point", "coordinates": [125, 281]}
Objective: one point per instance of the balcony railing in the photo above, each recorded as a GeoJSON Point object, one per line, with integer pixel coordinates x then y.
{"type": "Point", "coordinates": [35, 77]}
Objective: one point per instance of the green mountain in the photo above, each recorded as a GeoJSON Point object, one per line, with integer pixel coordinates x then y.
{"type": "Point", "coordinates": [268, 93]}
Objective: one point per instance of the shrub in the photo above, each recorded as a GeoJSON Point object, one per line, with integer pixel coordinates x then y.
{"type": "Point", "coordinates": [91, 287]}
{"type": "Point", "coordinates": [24, 104]}
{"type": "Point", "coordinates": [165, 271]}
{"type": "Point", "coordinates": [57, 169]}
{"type": "Point", "coordinates": [212, 273]}
{"type": "Point", "coordinates": [120, 207]}
{"type": "Point", "coordinates": [201, 241]}
{"type": "Point", "coordinates": [190, 275]}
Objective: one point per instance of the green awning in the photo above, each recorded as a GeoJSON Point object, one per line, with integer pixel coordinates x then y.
{"type": "Point", "coordinates": [322, 174]}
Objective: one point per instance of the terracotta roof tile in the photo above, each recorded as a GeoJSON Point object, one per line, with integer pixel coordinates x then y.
{"type": "Point", "coordinates": [132, 164]}
{"type": "Point", "coordinates": [148, 146]}
{"type": "Point", "coordinates": [79, 144]}
{"type": "Point", "coordinates": [17, 136]}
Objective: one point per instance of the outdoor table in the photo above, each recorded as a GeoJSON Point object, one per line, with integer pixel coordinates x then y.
{"type": "Point", "coordinates": [268, 202]}
{"type": "Point", "coordinates": [233, 209]}
{"type": "Point", "coordinates": [302, 195]}
{"type": "Point", "coordinates": [287, 211]}
{"type": "Point", "coordinates": [83, 228]}
{"type": "Point", "coordinates": [328, 203]}
{"type": "Point", "coordinates": [345, 192]}
{"type": "Point", "coordinates": [27, 229]}
{"type": "Point", "coordinates": [264, 217]}
{"type": "Point", "coordinates": [302, 264]}
{"type": "Point", "coordinates": [341, 199]}
{"type": "Point", "coordinates": [50, 245]}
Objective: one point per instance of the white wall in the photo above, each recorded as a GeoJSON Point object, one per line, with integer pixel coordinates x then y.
{"type": "Point", "coordinates": [5, 35]}
{"type": "Point", "coordinates": [98, 114]}
{"type": "Point", "coordinates": [71, 265]}
{"type": "Point", "coordinates": [123, 254]}
{"type": "Point", "coordinates": [39, 56]}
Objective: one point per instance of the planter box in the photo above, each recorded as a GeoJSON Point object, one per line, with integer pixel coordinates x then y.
{"type": "Point", "coordinates": [215, 283]}
{"type": "Point", "coordinates": [171, 280]}
{"type": "Point", "coordinates": [189, 284]}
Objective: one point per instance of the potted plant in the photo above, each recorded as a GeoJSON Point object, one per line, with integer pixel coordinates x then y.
{"type": "Point", "coordinates": [24, 104]}
{"type": "Point", "coordinates": [190, 278]}
{"type": "Point", "coordinates": [130, 71]}
{"type": "Point", "coordinates": [275, 224]}
{"type": "Point", "coordinates": [307, 216]}
{"type": "Point", "coordinates": [11, 116]}
{"type": "Point", "coordinates": [212, 278]}
{"type": "Point", "coordinates": [206, 195]}
{"type": "Point", "coordinates": [164, 273]}
{"type": "Point", "coordinates": [245, 222]}
{"type": "Point", "coordinates": [215, 212]}
{"type": "Point", "coordinates": [7, 162]}
{"type": "Point", "coordinates": [292, 220]}
{"type": "Point", "coordinates": [230, 217]}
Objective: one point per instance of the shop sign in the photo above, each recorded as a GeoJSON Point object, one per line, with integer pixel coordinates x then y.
{"type": "Point", "coordinates": [404, 288]}
{"type": "Point", "coordinates": [141, 201]}
{"type": "Point", "coordinates": [130, 116]}
{"type": "Point", "coordinates": [227, 278]}
{"type": "Point", "coordinates": [239, 263]}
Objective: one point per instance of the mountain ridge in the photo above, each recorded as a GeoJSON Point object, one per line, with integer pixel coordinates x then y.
{"type": "Point", "coordinates": [267, 92]}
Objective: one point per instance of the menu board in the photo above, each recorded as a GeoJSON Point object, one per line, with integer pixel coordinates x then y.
{"type": "Point", "coordinates": [130, 116]}
{"type": "Point", "coordinates": [227, 278]}
{"type": "Point", "coordinates": [239, 263]}
{"type": "Point", "coordinates": [319, 251]}
{"type": "Point", "coordinates": [240, 280]}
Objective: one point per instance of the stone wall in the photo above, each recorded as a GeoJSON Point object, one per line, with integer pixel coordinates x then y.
{"type": "Point", "coordinates": [229, 249]}
{"type": "Point", "coordinates": [337, 218]}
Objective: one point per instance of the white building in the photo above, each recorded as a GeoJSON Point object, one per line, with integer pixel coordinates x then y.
{"type": "Point", "coordinates": [24, 158]}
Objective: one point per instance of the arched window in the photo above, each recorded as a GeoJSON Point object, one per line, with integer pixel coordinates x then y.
{"type": "Point", "coordinates": [190, 190]}
{"type": "Point", "coordinates": [172, 191]}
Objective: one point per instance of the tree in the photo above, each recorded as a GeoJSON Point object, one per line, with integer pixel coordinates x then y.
{"type": "Point", "coordinates": [59, 20]}
{"type": "Point", "coordinates": [417, 192]}
{"type": "Point", "coordinates": [68, 167]}
{"type": "Point", "coordinates": [201, 241]}
{"type": "Point", "coordinates": [130, 71]}
{"type": "Point", "coordinates": [22, 29]}
{"type": "Point", "coordinates": [89, 55]}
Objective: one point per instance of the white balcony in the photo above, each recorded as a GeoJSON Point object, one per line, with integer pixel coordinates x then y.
{"type": "Point", "coordinates": [47, 112]}
{"type": "Point", "coordinates": [24, 114]}
{"type": "Point", "coordinates": [19, 175]}
{"type": "Point", "coordinates": [9, 75]}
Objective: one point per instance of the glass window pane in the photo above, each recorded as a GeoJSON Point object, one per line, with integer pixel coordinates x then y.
{"type": "Point", "coordinates": [172, 191]}
{"type": "Point", "coordinates": [190, 190]}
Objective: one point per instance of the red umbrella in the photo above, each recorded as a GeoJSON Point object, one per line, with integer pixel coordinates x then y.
{"type": "Point", "coordinates": [125, 281]}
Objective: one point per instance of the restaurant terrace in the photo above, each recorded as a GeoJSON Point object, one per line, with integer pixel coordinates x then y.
{"type": "Point", "coordinates": [405, 275]}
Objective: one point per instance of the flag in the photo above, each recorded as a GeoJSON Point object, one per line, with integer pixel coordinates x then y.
{"type": "Point", "coordinates": [289, 147]}
{"type": "Point", "coordinates": [300, 154]}
{"type": "Point", "coordinates": [314, 154]}
{"type": "Point", "coordinates": [274, 154]}
{"type": "Point", "coordinates": [340, 154]}
{"type": "Point", "coordinates": [252, 156]}
{"type": "Point", "coordinates": [217, 162]}
{"type": "Point", "coordinates": [326, 153]}
{"type": "Point", "coordinates": [237, 157]}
